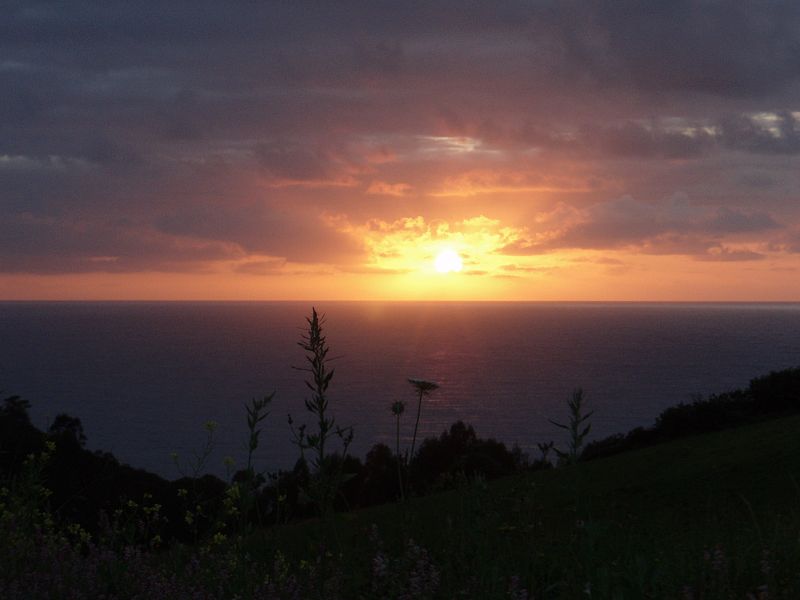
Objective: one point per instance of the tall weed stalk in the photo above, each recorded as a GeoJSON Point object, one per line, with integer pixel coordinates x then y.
{"type": "Point", "coordinates": [327, 468]}
{"type": "Point", "coordinates": [423, 388]}
{"type": "Point", "coordinates": [575, 427]}
{"type": "Point", "coordinates": [256, 413]}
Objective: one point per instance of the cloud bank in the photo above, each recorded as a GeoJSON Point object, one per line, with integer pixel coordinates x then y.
{"type": "Point", "coordinates": [264, 138]}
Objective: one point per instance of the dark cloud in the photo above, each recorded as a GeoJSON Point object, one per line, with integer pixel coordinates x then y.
{"type": "Point", "coordinates": [260, 267]}
{"type": "Point", "coordinates": [672, 227]}
{"type": "Point", "coordinates": [727, 220]}
{"type": "Point", "coordinates": [756, 180]}
{"type": "Point", "coordinates": [723, 254]}
{"type": "Point", "coordinates": [721, 48]}
{"type": "Point", "coordinates": [261, 229]}
{"type": "Point", "coordinates": [768, 133]}
{"type": "Point", "coordinates": [622, 139]}
{"type": "Point", "coordinates": [634, 140]}
{"type": "Point", "coordinates": [789, 242]}
{"type": "Point", "coordinates": [48, 245]}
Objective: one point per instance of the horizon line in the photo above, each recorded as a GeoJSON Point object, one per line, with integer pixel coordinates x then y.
{"type": "Point", "coordinates": [370, 300]}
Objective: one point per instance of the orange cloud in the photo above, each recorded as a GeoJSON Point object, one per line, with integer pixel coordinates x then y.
{"type": "Point", "coordinates": [389, 189]}
{"type": "Point", "coordinates": [412, 243]}
{"type": "Point", "coordinates": [493, 181]}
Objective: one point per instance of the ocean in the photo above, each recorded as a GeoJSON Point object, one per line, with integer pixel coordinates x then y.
{"type": "Point", "coordinates": [145, 377]}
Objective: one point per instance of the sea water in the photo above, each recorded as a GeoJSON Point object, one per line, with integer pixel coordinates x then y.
{"type": "Point", "coordinates": [144, 378]}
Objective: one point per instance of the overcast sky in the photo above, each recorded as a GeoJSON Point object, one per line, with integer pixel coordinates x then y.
{"type": "Point", "coordinates": [566, 150]}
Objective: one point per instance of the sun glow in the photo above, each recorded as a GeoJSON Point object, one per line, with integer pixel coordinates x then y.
{"type": "Point", "coordinates": [448, 261]}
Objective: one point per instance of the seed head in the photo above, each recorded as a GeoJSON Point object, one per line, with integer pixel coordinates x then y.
{"type": "Point", "coordinates": [423, 386]}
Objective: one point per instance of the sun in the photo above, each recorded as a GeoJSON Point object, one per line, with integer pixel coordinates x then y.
{"type": "Point", "coordinates": [448, 261]}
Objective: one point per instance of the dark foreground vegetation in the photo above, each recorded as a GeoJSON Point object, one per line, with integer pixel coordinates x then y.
{"type": "Point", "coordinates": [672, 515]}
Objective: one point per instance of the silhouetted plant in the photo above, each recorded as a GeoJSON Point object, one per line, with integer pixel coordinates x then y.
{"type": "Point", "coordinates": [398, 407]}
{"type": "Point", "coordinates": [137, 524]}
{"type": "Point", "coordinates": [378, 481]}
{"type": "Point", "coordinates": [68, 428]}
{"type": "Point", "coordinates": [256, 412]}
{"type": "Point", "coordinates": [18, 437]}
{"type": "Point", "coordinates": [195, 467]}
{"type": "Point", "coordinates": [197, 514]}
{"type": "Point", "coordinates": [327, 475]}
{"type": "Point", "coordinates": [27, 495]}
{"type": "Point", "coordinates": [16, 408]}
{"type": "Point", "coordinates": [248, 483]}
{"type": "Point", "coordinates": [544, 450]}
{"type": "Point", "coordinates": [423, 388]}
{"type": "Point", "coordinates": [577, 432]}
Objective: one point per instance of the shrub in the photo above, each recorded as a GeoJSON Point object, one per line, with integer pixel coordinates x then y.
{"type": "Point", "coordinates": [777, 392]}
{"type": "Point", "coordinates": [460, 451]}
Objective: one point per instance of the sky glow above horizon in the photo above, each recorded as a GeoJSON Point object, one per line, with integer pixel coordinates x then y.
{"type": "Point", "coordinates": [564, 150]}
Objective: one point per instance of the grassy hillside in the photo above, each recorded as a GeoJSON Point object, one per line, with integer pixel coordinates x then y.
{"type": "Point", "coordinates": [716, 515]}
{"type": "Point", "coordinates": [711, 516]}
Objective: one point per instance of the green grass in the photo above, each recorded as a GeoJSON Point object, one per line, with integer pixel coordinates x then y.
{"type": "Point", "coordinates": [635, 525]}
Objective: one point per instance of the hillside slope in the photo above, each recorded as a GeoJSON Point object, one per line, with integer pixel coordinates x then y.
{"type": "Point", "coordinates": [704, 515]}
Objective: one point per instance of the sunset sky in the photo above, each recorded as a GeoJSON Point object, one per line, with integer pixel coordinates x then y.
{"type": "Point", "coordinates": [609, 150]}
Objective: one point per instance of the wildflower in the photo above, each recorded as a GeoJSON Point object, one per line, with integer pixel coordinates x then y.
{"type": "Point", "coordinates": [398, 407]}
{"type": "Point", "coordinates": [280, 566]}
{"type": "Point", "coordinates": [374, 536]}
{"type": "Point", "coordinates": [766, 565]}
{"type": "Point", "coordinates": [380, 565]}
{"type": "Point", "coordinates": [515, 590]}
{"type": "Point", "coordinates": [424, 388]}
{"type": "Point", "coordinates": [218, 538]}
{"type": "Point", "coordinates": [718, 560]}
{"type": "Point", "coordinates": [423, 578]}
{"type": "Point", "coordinates": [233, 492]}
{"type": "Point", "coordinates": [762, 593]}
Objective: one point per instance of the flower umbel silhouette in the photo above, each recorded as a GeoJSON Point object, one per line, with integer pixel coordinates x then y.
{"type": "Point", "coordinates": [423, 388]}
